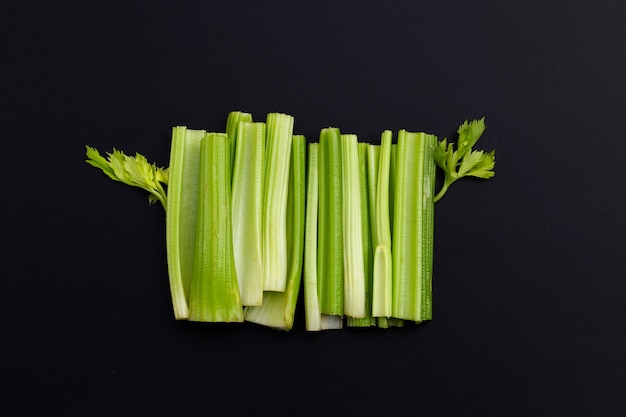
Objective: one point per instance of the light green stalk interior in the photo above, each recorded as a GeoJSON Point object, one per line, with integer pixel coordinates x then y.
{"type": "Point", "coordinates": [181, 212]}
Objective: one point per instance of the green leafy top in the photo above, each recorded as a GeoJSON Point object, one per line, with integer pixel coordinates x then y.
{"type": "Point", "coordinates": [464, 161]}
{"type": "Point", "coordinates": [134, 171]}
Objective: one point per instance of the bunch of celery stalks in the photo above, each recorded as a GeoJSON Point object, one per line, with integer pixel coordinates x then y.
{"type": "Point", "coordinates": [255, 213]}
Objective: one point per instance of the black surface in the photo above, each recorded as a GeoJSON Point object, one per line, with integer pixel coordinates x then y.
{"type": "Point", "coordinates": [529, 280]}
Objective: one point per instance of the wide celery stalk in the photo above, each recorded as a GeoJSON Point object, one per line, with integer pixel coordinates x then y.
{"type": "Point", "coordinates": [279, 136]}
{"type": "Point", "coordinates": [278, 307]}
{"type": "Point", "coordinates": [330, 281]}
{"type": "Point", "coordinates": [366, 231]}
{"type": "Point", "coordinates": [214, 295]}
{"type": "Point", "coordinates": [413, 226]}
{"type": "Point", "coordinates": [181, 209]}
{"type": "Point", "coordinates": [247, 211]}
{"type": "Point", "coordinates": [352, 219]}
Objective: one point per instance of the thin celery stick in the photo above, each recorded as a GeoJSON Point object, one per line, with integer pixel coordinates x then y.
{"type": "Point", "coordinates": [232, 124]}
{"type": "Point", "coordinates": [354, 268]}
{"type": "Point", "coordinates": [311, 301]}
{"type": "Point", "coordinates": [413, 234]}
{"type": "Point", "coordinates": [278, 308]}
{"type": "Point", "coordinates": [382, 289]}
{"type": "Point", "coordinates": [279, 132]}
{"type": "Point", "coordinates": [330, 282]}
{"type": "Point", "coordinates": [180, 215]}
{"type": "Point", "coordinates": [392, 184]}
{"type": "Point", "coordinates": [368, 258]}
{"type": "Point", "coordinates": [373, 158]}
{"type": "Point", "coordinates": [214, 295]}
{"type": "Point", "coordinates": [247, 213]}
{"type": "Point", "coordinates": [392, 321]}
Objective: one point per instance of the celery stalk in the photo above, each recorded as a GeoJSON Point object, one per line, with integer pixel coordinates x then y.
{"type": "Point", "coordinates": [278, 308]}
{"type": "Point", "coordinates": [247, 211]}
{"type": "Point", "coordinates": [330, 281]}
{"type": "Point", "coordinates": [413, 226]}
{"type": "Point", "coordinates": [368, 258]}
{"type": "Point", "coordinates": [279, 131]}
{"type": "Point", "coordinates": [311, 300]}
{"type": "Point", "coordinates": [353, 263]}
{"type": "Point", "coordinates": [382, 288]}
{"type": "Point", "coordinates": [180, 214]}
{"type": "Point", "coordinates": [214, 295]}
{"type": "Point", "coordinates": [232, 125]}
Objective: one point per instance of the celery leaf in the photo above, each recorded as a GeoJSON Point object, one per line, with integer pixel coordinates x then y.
{"type": "Point", "coordinates": [134, 171]}
{"type": "Point", "coordinates": [464, 161]}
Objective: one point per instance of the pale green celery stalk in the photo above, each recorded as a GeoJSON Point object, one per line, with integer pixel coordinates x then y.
{"type": "Point", "coordinates": [180, 214]}
{"type": "Point", "coordinates": [386, 322]}
{"type": "Point", "coordinates": [278, 308]}
{"type": "Point", "coordinates": [279, 132]}
{"type": "Point", "coordinates": [247, 211]}
{"type": "Point", "coordinates": [392, 183]}
{"type": "Point", "coordinates": [232, 125]}
{"type": "Point", "coordinates": [413, 226]}
{"type": "Point", "coordinates": [330, 281]}
{"type": "Point", "coordinates": [312, 313]}
{"type": "Point", "coordinates": [314, 319]}
{"type": "Point", "coordinates": [354, 268]}
{"type": "Point", "coordinates": [373, 158]}
{"type": "Point", "coordinates": [214, 295]}
{"type": "Point", "coordinates": [368, 257]}
{"type": "Point", "coordinates": [382, 289]}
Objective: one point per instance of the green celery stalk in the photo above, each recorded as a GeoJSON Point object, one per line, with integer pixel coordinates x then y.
{"type": "Point", "coordinates": [214, 295]}
{"type": "Point", "coordinates": [232, 125]}
{"type": "Point", "coordinates": [314, 319]}
{"type": "Point", "coordinates": [279, 132]}
{"type": "Point", "coordinates": [353, 262]}
{"type": "Point", "coordinates": [311, 300]}
{"type": "Point", "coordinates": [413, 226]}
{"type": "Point", "coordinates": [247, 211]}
{"type": "Point", "coordinates": [382, 287]}
{"type": "Point", "coordinates": [330, 281]}
{"type": "Point", "coordinates": [180, 214]}
{"type": "Point", "coordinates": [368, 258]}
{"type": "Point", "coordinates": [278, 308]}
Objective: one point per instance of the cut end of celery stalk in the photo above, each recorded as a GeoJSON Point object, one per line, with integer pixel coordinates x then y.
{"type": "Point", "coordinates": [381, 303]}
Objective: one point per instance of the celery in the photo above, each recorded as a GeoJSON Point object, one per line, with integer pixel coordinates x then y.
{"type": "Point", "coordinates": [279, 131]}
{"type": "Point", "coordinates": [413, 226]}
{"type": "Point", "coordinates": [247, 211]}
{"type": "Point", "coordinates": [311, 299]}
{"type": "Point", "coordinates": [463, 161]}
{"type": "Point", "coordinates": [368, 257]}
{"type": "Point", "coordinates": [214, 295]}
{"type": "Point", "coordinates": [330, 281]}
{"type": "Point", "coordinates": [232, 125]}
{"type": "Point", "coordinates": [382, 289]}
{"type": "Point", "coordinates": [354, 268]}
{"type": "Point", "coordinates": [278, 308]}
{"type": "Point", "coordinates": [134, 171]}
{"type": "Point", "coordinates": [180, 218]}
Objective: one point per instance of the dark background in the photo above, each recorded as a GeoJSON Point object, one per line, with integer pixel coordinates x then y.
{"type": "Point", "coordinates": [529, 281]}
